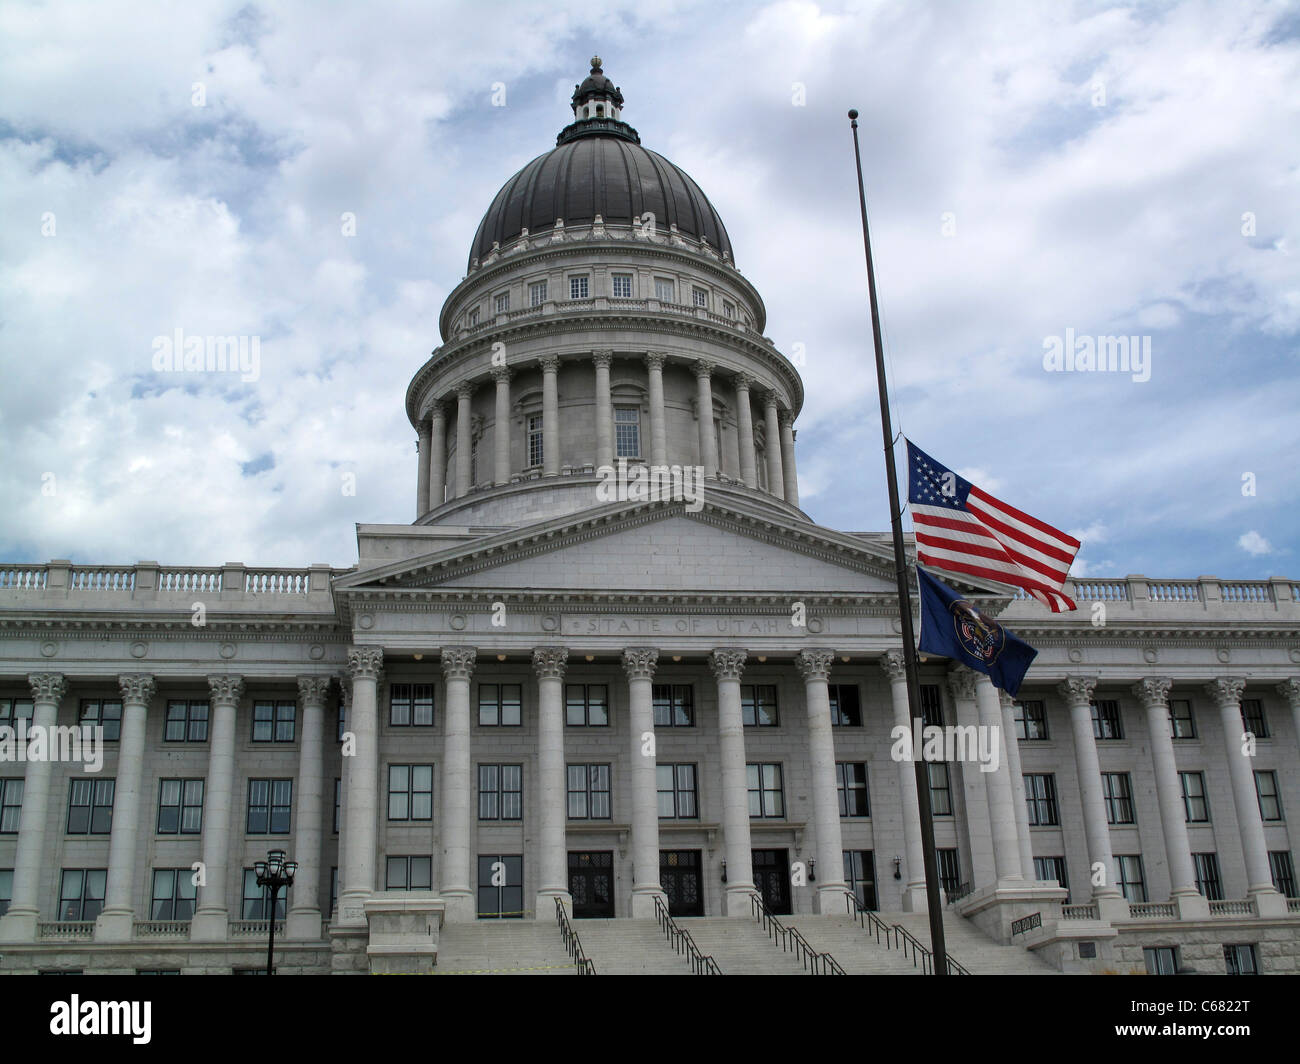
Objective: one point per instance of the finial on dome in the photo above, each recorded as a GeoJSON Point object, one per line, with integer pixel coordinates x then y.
{"type": "Point", "coordinates": [595, 65]}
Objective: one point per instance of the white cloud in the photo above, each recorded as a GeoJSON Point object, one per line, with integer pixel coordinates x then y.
{"type": "Point", "coordinates": [1253, 543]}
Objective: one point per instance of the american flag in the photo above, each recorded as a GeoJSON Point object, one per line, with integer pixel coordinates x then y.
{"type": "Point", "coordinates": [964, 530]}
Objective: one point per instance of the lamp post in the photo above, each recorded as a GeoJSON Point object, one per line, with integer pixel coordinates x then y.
{"type": "Point", "coordinates": [275, 872]}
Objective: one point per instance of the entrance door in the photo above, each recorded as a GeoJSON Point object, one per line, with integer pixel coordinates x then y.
{"type": "Point", "coordinates": [860, 874]}
{"type": "Point", "coordinates": [501, 886]}
{"type": "Point", "coordinates": [591, 883]}
{"type": "Point", "coordinates": [772, 878]}
{"type": "Point", "coordinates": [679, 875]}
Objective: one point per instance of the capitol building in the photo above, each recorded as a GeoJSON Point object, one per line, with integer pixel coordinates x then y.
{"type": "Point", "coordinates": [613, 702]}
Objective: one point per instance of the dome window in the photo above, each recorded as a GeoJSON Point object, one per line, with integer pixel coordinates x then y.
{"type": "Point", "coordinates": [473, 316]}
{"type": "Point", "coordinates": [627, 431]}
{"type": "Point", "coordinates": [537, 293]}
{"type": "Point", "coordinates": [600, 110]}
{"type": "Point", "coordinates": [728, 309]}
{"type": "Point", "coordinates": [579, 287]}
{"type": "Point", "coordinates": [502, 302]}
{"type": "Point", "coordinates": [622, 286]}
{"type": "Point", "coordinates": [700, 297]}
{"type": "Point", "coordinates": [534, 440]}
{"type": "Point", "coordinates": [665, 290]}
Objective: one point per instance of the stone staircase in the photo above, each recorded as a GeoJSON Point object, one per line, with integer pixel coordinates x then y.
{"type": "Point", "coordinates": [629, 947]}
{"type": "Point", "coordinates": [971, 947]}
{"type": "Point", "coordinates": [740, 947]}
{"type": "Point", "coordinates": [504, 947]}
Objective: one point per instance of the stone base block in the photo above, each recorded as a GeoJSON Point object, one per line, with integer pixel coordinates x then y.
{"type": "Point", "coordinates": [115, 925]}
{"type": "Point", "coordinates": [736, 902]}
{"type": "Point", "coordinates": [18, 925]}
{"type": "Point", "coordinates": [210, 926]}
{"type": "Point", "coordinates": [303, 925]}
{"type": "Point", "coordinates": [643, 903]}
{"type": "Point", "coordinates": [403, 934]}
{"type": "Point", "coordinates": [996, 908]}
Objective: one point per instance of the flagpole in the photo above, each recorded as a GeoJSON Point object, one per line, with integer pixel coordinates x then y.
{"type": "Point", "coordinates": [934, 904]}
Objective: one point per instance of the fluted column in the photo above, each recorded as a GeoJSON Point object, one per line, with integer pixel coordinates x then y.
{"type": "Point", "coordinates": [745, 429]}
{"type": "Point", "coordinates": [550, 415]}
{"type": "Point", "coordinates": [1226, 692]}
{"type": "Point", "coordinates": [422, 483]}
{"type": "Point", "coordinates": [457, 787]}
{"type": "Point", "coordinates": [914, 899]}
{"type": "Point", "coordinates": [304, 919]}
{"type": "Point", "coordinates": [345, 777]}
{"type": "Point", "coordinates": [815, 667]}
{"type": "Point", "coordinates": [704, 401]}
{"type": "Point", "coordinates": [464, 437]}
{"type": "Point", "coordinates": [727, 664]}
{"type": "Point", "coordinates": [1002, 810]}
{"type": "Point", "coordinates": [658, 428]}
{"type": "Point", "coordinates": [639, 664]}
{"type": "Point", "coordinates": [212, 915]}
{"type": "Point", "coordinates": [786, 420]}
{"type": "Point", "coordinates": [552, 790]}
{"type": "Point", "coordinates": [116, 922]}
{"type": "Point", "coordinates": [1023, 838]}
{"type": "Point", "coordinates": [19, 923]}
{"type": "Point", "coordinates": [975, 795]}
{"type": "Point", "coordinates": [361, 814]}
{"type": "Point", "coordinates": [1290, 690]}
{"type": "Point", "coordinates": [501, 426]}
{"type": "Point", "coordinates": [437, 455]}
{"type": "Point", "coordinates": [772, 433]}
{"type": "Point", "coordinates": [604, 411]}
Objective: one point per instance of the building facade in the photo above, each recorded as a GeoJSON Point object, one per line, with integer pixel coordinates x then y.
{"type": "Point", "coordinates": [613, 665]}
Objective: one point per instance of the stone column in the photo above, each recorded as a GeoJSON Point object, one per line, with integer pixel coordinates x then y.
{"type": "Point", "coordinates": [914, 898]}
{"type": "Point", "coordinates": [745, 429]}
{"type": "Point", "coordinates": [117, 922]}
{"type": "Point", "coordinates": [658, 429]}
{"type": "Point", "coordinates": [1002, 810]}
{"type": "Point", "coordinates": [961, 683]}
{"type": "Point", "coordinates": [604, 411]}
{"type": "Point", "coordinates": [345, 776]}
{"type": "Point", "coordinates": [1226, 692]}
{"type": "Point", "coordinates": [550, 415]}
{"type": "Point", "coordinates": [437, 455]}
{"type": "Point", "coordinates": [304, 919]}
{"type": "Point", "coordinates": [501, 426]}
{"type": "Point", "coordinates": [19, 923]}
{"type": "Point", "coordinates": [361, 814]}
{"type": "Point", "coordinates": [815, 668]}
{"type": "Point", "coordinates": [727, 664]}
{"type": "Point", "coordinates": [1012, 746]}
{"type": "Point", "coordinates": [552, 789]}
{"type": "Point", "coordinates": [1153, 693]}
{"type": "Point", "coordinates": [464, 437]}
{"type": "Point", "coordinates": [212, 916]}
{"type": "Point", "coordinates": [1290, 690]}
{"type": "Point", "coordinates": [704, 401]}
{"type": "Point", "coordinates": [457, 788]}
{"type": "Point", "coordinates": [639, 664]}
{"type": "Point", "coordinates": [422, 484]}
{"type": "Point", "coordinates": [772, 442]}
{"type": "Point", "coordinates": [787, 458]}
{"type": "Point", "coordinates": [1077, 693]}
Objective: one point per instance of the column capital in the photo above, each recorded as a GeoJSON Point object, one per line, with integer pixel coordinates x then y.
{"type": "Point", "coordinates": [602, 359]}
{"type": "Point", "coordinates": [365, 663]}
{"type": "Point", "coordinates": [785, 418]}
{"type": "Point", "coordinates": [703, 367]}
{"type": "Point", "coordinates": [728, 663]}
{"type": "Point", "coordinates": [1008, 701]}
{"type": "Point", "coordinates": [814, 663]}
{"type": "Point", "coordinates": [1226, 690]}
{"type": "Point", "coordinates": [424, 429]}
{"type": "Point", "coordinates": [436, 412]}
{"type": "Point", "coordinates": [313, 689]}
{"type": "Point", "coordinates": [465, 390]}
{"type": "Point", "coordinates": [743, 381]}
{"type": "Point", "coordinates": [345, 692]}
{"type": "Point", "coordinates": [893, 665]}
{"type": "Point", "coordinates": [550, 662]}
{"type": "Point", "coordinates": [961, 681]}
{"type": "Point", "coordinates": [549, 363]}
{"type": "Point", "coordinates": [771, 399]}
{"type": "Point", "coordinates": [655, 359]}
{"type": "Point", "coordinates": [137, 687]}
{"type": "Point", "coordinates": [48, 686]}
{"type": "Point", "coordinates": [1153, 691]}
{"type": "Point", "coordinates": [458, 662]}
{"type": "Point", "coordinates": [1077, 690]}
{"type": "Point", "coordinates": [639, 662]}
{"type": "Point", "coordinates": [226, 690]}
{"type": "Point", "coordinates": [1290, 690]}
{"type": "Point", "coordinates": [502, 374]}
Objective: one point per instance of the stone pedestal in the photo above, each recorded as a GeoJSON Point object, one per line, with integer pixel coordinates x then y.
{"type": "Point", "coordinates": [115, 925]}
{"type": "Point", "coordinates": [403, 934]}
{"type": "Point", "coordinates": [995, 908]}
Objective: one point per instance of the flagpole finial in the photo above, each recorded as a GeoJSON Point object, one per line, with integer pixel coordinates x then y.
{"type": "Point", "coordinates": [853, 113]}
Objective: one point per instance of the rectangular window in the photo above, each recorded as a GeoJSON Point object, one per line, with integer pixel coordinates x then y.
{"type": "Point", "coordinates": [758, 705]}
{"type": "Point", "coordinates": [674, 705]}
{"type": "Point", "coordinates": [846, 709]}
{"type": "Point", "coordinates": [1053, 868]}
{"type": "Point", "coordinates": [6, 889]}
{"type": "Point", "coordinates": [90, 807]}
{"type": "Point", "coordinates": [699, 297]}
{"type": "Point", "coordinates": [665, 290]}
{"type": "Point", "coordinates": [269, 805]}
{"type": "Point", "coordinates": [949, 870]}
{"type": "Point", "coordinates": [11, 805]}
{"type": "Point", "coordinates": [410, 792]}
{"type": "Point", "coordinates": [766, 797]}
{"type": "Point", "coordinates": [187, 722]}
{"type": "Point", "coordinates": [173, 894]}
{"type": "Point", "coordinates": [535, 437]}
{"type": "Point", "coordinates": [851, 781]}
{"type": "Point", "coordinates": [931, 706]}
{"type": "Point", "coordinates": [1161, 960]}
{"type": "Point", "coordinates": [501, 792]}
{"type": "Point", "coordinates": [586, 705]}
{"type": "Point", "coordinates": [103, 713]}
{"type": "Point", "coordinates": [1117, 791]}
{"type": "Point", "coordinates": [1252, 717]}
{"type": "Point", "coordinates": [579, 288]}
{"type": "Point", "coordinates": [1207, 875]}
{"type": "Point", "coordinates": [1132, 882]}
{"type": "Point", "coordinates": [1270, 801]}
{"type": "Point", "coordinates": [501, 303]}
{"type": "Point", "coordinates": [343, 721]}
{"type": "Point", "coordinates": [589, 792]}
{"type": "Point", "coordinates": [627, 431]}
{"type": "Point", "coordinates": [81, 893]}
{"type": "Point", "coordinates": [1182, 725]}
{"type": "Point", "coordinates": [410, 705]}
{"type": "Point", "coordinates": [728, 309]}
{"type": "Point", "coordinates": [1196, 806]}
{"type": "Point", "coordinates": [500, 886]}
{"type": "Point", "coordinates": [677, 795]}
{"type": "Point", "coordinates": [12, 710]}
{"type": "Point", "coordinates": [1105, 720]}
{"type": "Point", "coordinates": [409, 873]}
{"type": "Point", "coordinates": [860, 875]}
{"type": "Point", "coordinates": [500, 705]}
{"type": "Point", "coordinates": [1040, 797]}
{"type": "Point", "coordinates": [338, 802]}
{"type": "Point", "coordinates": [622, 286]}
{"type": "Point", "coordinates": [537, 293]}
{"type": "Point", "coordinates": [1031, 720]}
{"type": "Point", "coordinates": [180, 807]}
{"type": "Point", "coordinates": [256, 902]}
{"type": "Point", "coordinates": [473, 316]}
{"type": "Point", "coordinates": [940, 788]}
{"type": "Point", "coordinates": [273, 722]}
{"type": "Point", "coordinates": [1240, 960]}
{"type": "Point", "coordinates": [1280, 864]}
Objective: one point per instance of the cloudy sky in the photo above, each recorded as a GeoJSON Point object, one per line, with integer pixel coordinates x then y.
{"type": "Point", "coordinates": [1032, 168]}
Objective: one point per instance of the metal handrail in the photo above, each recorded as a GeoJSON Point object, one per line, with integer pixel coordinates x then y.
{"type": "Point", "coordinates": [571, 943]}
{"type": "Point", "coordinates": [898, 937]}
{"type": "Point", "coordinates": [682, 943]}
{"type": "Point", "coordinates": [791, 940]}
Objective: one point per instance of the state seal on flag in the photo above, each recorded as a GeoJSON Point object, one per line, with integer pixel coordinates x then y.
{"type": "Point", "coordinates": [979, 634]}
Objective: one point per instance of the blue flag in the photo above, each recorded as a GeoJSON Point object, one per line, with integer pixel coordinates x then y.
{"type": "Point", "coordinates": [954, 628]}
